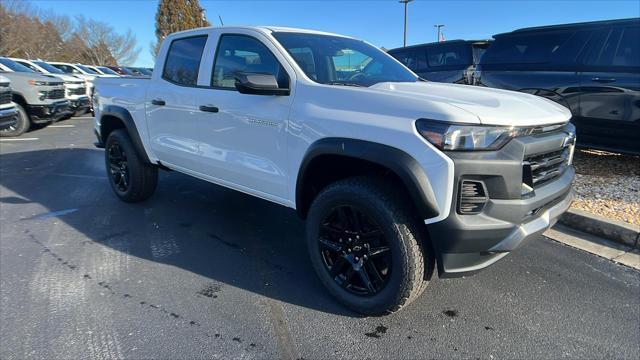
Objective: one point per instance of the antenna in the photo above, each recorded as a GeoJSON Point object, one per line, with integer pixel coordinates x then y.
{"type": "Point", "coordinates": [220, 17]}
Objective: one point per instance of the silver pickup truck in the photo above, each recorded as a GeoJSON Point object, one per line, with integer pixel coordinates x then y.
{"type": "Point", "coordinates": [39, 99]}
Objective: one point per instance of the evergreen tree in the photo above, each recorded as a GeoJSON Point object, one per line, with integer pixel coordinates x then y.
{"type": "Point", "coordinates": [177, 15]}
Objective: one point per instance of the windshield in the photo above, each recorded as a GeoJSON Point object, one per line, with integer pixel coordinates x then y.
{"type": "Point", "coordinates": [336, 60]}
{"type": "Point", "coordinates": [48, 68]}
{"type": "Point", "coordinates": [142, 71]}
{"type": "Point", "coordinates": [12, 65]}
{"type": "Point", "coordinates": [87, 70]}
{"type": "Point", "coordinates": [106, 70]}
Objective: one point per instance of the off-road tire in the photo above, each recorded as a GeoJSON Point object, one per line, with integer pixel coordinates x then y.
{"type": "Point", "coordinates": [21, 127]}
{"type": "Point", "coordinates": [142, 178]}
{"type": "Point", "coordinates": [412, 258]}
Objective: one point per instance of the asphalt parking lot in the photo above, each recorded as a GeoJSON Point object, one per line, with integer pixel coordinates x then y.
{"type": "Point", "coordinates": [199, 271]}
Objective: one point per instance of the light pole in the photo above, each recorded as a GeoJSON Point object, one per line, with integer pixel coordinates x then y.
{"type": "Point", "coordinates": [405, 2]}
{"type": "Point", "coordinates": [438, 27]}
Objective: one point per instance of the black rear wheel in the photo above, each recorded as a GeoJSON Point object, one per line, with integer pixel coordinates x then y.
{"type": "Point", "coordinates": [130, 177]}
{"type": "Point", "coordinates": [366, 245]}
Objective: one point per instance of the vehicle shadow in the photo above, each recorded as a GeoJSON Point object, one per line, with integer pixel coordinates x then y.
{"type": "Point", "coordinates": [225, 236]}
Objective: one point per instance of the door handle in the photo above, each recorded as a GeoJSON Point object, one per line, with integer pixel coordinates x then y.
{"type": "Point", "coordinates": [208, 108]}
{"type": "Point", "coordinates": [603, 80]}
{"type": "Point", "coordinates": [158, 102]}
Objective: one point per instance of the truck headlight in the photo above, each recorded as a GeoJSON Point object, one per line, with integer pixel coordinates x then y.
{"type": "Point", "coordinates": [460, 137]}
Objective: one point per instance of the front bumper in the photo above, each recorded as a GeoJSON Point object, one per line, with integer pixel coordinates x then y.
{"type": "Point", "coordinates": [40, 114]}
{"type": "Point", "coordinates": [78, 104]}
{"type": "Point", "coordinates": [466, 243]}
{"type": "Point", "coordinates": [8, 117]}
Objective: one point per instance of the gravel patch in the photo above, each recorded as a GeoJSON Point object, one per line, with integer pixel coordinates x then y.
{"type": "Point", "coordinates": [608, 184]}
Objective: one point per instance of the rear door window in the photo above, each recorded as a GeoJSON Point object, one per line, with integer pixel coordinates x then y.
{"type": "Point", "coordinates": [628, 50]}
{"type": "Point", "coordinates": [615, 48]}
{"type": "Point", "coordinates": [534, 48]}
{"type": "Point", "coordinates": [414, 59]}
{"type": "Point", "coordinates": [183, 60]}
{"type": "Point", "coordinates": [449, 56]}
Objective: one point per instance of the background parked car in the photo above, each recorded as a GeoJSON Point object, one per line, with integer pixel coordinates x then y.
{"type": "Point", "coordinates": [8, 111]}
{"type": "Point", "coordinates": [105, 70]}
{"type": "Point", "coordinates": [39, 98]}
{"type": "Point", "coordinates": [94, 69]}
{"type": "Point", "coordinates": [591, 68]}
{"type": "Point", "coordinates": [76, 88]}
{"type": "Point", "coordinates": [121, 70]}
{"type": "Point", "coordinates": [447, 61]}
{"type": "Point", "coordinates": [77, 71]}
{"type": "Point", "coordinates": [139, 71]}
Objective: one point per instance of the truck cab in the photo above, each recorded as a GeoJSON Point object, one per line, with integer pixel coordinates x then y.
{"type": "Point", "coordinates": [393, 175]}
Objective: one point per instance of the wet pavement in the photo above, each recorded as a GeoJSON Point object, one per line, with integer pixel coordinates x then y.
{"type": "Point", "coordinates": [199, 271]}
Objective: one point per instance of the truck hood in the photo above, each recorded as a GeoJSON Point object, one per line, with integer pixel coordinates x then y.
{"type": "Point", "coordinates": [68, 78]}
{"type": "Point", "coordinates": [26, 76]}
{"type": "Point", "coordinates": [490, 106]}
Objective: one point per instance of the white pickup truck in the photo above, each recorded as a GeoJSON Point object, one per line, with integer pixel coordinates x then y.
{"type": "Point", "coordinates": [394, 175]}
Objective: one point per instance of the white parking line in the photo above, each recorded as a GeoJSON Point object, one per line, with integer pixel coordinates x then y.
{"type": "Point", "coordinates": [61, 126]}
{"type": "Point", "coordinates": [19, 139]}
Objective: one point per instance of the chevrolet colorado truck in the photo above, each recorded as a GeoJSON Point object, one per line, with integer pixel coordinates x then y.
{"type": "Point", "coordinates": [8, 111]}
{"type": "Point", "coordinates": [39, 98]}
{"type": "Point", "coordinates": [75, 87]}
{"type": "Point", "coordinates": [394, 175]}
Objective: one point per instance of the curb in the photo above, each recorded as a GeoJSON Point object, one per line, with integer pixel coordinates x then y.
{"type": "Point", "coordinates": [614, 230]}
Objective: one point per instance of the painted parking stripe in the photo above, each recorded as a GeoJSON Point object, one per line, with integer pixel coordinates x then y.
{"type": "Point", "coordinates": [19, 139]}
{"type": "Point", "coordinates": [61, 126]}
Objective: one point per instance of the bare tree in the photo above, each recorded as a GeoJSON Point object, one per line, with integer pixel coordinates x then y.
{"type": "Point", "coordinates": [30, 33]}
{"type": "Point", "coordinates": [104, 45]}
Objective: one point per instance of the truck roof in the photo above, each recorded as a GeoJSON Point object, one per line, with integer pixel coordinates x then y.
{"type": "Point", "coordinates": [457, 41]}
{"type": "Point", "coordinates": [264, 29]}
{"type": "Point", "coordinates": [573, 25]}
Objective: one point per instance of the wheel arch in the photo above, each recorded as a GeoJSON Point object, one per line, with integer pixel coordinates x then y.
{"type": "Point", "coordinates": [351, 157]}
{"type": "Point", "coordinates": [116, 117]}
{"type": "Point", "coordinates": [18, 99]}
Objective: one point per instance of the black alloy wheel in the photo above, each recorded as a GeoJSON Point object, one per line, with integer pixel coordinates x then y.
{"type": "Point", "coordinates": [354, 251]}
{"type": "Point", "coordinates": [118, 167]}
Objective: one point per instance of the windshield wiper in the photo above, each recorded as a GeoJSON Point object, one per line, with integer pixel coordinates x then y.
{"type": "Point", "coordinates": [344, 84]}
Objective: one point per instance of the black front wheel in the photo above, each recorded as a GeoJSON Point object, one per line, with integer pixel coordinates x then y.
{"type": "Point", "coordinates": [21, 126]}
{"type": "Point", "coordinates": [366, 245]}
{"type": "Point", "coordinates": [131, 178]}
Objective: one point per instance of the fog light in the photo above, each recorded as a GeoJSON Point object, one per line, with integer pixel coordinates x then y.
{"type": "Point", "coordinates": [473, 197]}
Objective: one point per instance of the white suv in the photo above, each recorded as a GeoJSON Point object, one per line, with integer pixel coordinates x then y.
{"type": "Point", "coordinates": [393, 174]}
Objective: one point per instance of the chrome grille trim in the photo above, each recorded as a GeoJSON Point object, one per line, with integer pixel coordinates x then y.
{"type": "Point", "coordinates": [5, 96]}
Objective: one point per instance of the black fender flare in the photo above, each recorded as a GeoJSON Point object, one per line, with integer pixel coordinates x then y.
{"type": "Point", "coordinates": [402, 164]}
{"type": "Point", "coordinates": [123, 115]}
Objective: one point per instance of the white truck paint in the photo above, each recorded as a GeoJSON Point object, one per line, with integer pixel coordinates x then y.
{"type": "Point", "coordinates": [258, 144]}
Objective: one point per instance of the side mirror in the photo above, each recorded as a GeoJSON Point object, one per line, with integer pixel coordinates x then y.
{"type": "Point", "coordinates": [259, 84]}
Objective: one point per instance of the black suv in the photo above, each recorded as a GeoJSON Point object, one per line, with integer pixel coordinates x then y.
{"type": "Point", "coordinates": [591, 68]}
{"type": "Point", "coordinates": [447, 61]}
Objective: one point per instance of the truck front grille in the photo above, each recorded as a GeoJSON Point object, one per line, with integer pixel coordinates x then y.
{"type": "Point", "coordinates": [539, 169]}
{"type": "Point", "coordinates": [78, 91]}
{"type": "Point", "coordinates": [54, 94]}
{"type": "Point", "coordinates": [5, 96]}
